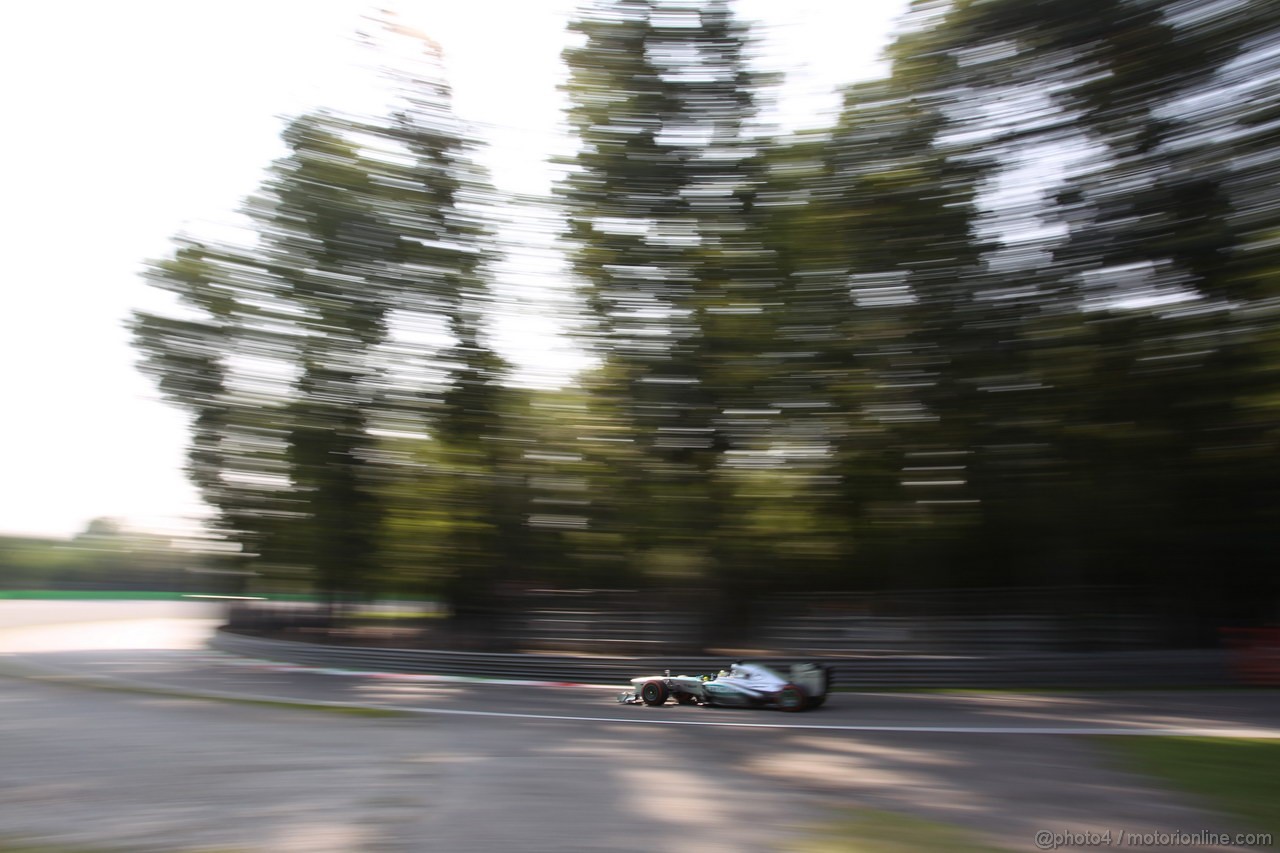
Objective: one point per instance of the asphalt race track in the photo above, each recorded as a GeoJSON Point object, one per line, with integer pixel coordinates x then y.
{"type": "Point", "coordinates": [494, 766]}
{"type": "Point", "coordinates": [213, 674]}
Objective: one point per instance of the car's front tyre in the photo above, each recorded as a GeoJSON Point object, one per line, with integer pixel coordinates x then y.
{"type": "Point", "coordinates": [654, 693]}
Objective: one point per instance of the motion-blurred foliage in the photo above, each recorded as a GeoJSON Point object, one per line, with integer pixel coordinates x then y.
{"type": "Point", "coordinates": [1009, 321]}
{"type": "Point", "coordinates": [106, 556]}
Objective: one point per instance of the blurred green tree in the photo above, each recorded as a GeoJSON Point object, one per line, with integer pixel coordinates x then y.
{"type": "Point", "coordinates": [1142, 306]}
{"type": "Point", "coordinates": [875, 225]}
{"type": "Point", "coordinates": [1008, 322]}
{"type": "Point", "coordinates": [1026, 282]}
{"type": "Point", "coordinates": [675, 276]}
{"type": "Point", "coordinates": [352, 318]}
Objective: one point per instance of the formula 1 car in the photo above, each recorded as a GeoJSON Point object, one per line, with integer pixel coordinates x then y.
{"type": "Point", "coordinates": [743, 685]}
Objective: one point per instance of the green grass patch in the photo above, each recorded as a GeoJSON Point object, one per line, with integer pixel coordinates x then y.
{"type": "Point", "coordinates": [398, 615]}
{"type": "Point", "coordinates": [873, 831]}
{"type": "Point", "coordinates": [1237, 776]}
{"type": "Point", "coordinates": [1048, 691]}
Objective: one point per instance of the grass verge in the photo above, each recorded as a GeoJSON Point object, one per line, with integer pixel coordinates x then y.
{"type": "Point", "coordinates": [1237, 776]}
{"type": "Point", "coordinates": [1053, 691]}
{"type": "Point", "coordinates": [873, 831]}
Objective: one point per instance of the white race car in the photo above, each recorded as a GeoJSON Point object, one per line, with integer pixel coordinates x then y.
{"type": "Point", "coordinates": [743, 685]}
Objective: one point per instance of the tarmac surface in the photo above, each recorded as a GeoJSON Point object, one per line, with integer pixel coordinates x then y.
{"type": "Point", "coordinates": [493, 767]}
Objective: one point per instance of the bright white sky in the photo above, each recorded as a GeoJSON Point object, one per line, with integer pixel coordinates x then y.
{"type": "Point", "coordinates": [130, 121]}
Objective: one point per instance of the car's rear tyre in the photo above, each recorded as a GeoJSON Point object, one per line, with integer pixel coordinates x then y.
{"type": "Point", "coordinates": [816, 701]}
{"type": "Point", "coordinates": [654, 693]}
{"type": "Point", "coordinates": [791, 698]}
{"type": "Point", "coordinates": [686, 699]}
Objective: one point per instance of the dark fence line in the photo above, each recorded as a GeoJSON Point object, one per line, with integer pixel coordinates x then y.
{"type": "Point", "coordinates": [986, 635]}
{"type": "Point", "coordinates": [631, 623]}
{"type": "Point", "coordinates": [1137, 669]}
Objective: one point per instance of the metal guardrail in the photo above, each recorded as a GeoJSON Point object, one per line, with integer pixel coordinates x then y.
{"type": "Point", "coordinates": [1184, 668]}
